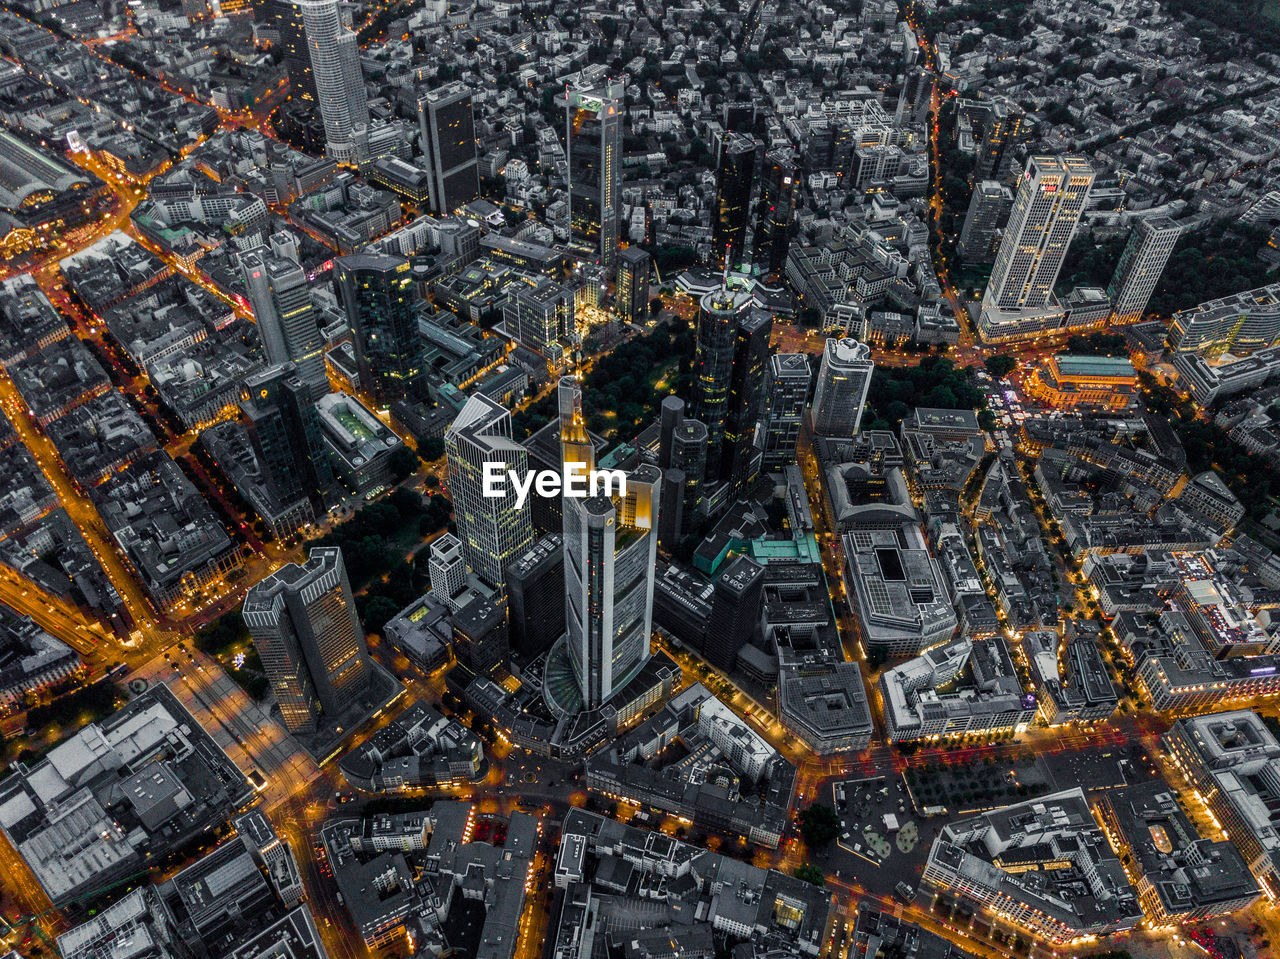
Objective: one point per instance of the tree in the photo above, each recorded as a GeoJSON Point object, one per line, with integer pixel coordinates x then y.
{"type": "Point", "coordinates": [402, 462]}
{"type": "Point", "coordinates": [819, 824]}
{"type": "Point", "coordinates": [655, 306]}
{"type": "Point", "coordinates": [1000, 365]}
{"type": "Point", "coordinates": [811, 874]}
{"type": "Point", "coordinates": [432, 448]}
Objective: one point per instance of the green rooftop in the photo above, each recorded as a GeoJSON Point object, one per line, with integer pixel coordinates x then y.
{"type": "Point", "coordinates": [1072, 364]}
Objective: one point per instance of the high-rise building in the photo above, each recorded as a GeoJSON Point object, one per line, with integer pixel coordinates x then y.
{"type": "Point", "coordinates": [773, 211]}
{"type": "Point", "coordinates": [1148, 250]}
{"type": "Point", "coordinates": [447, 569]}
{"type": "Point", "coordinates": [304, 625]}
{"type": "Point", "coordinates": [284, 428]}
{"type": "Point", "coordinates": [844, 378]}
{"type": "Point", "coordinates": [593, 135]}
{"type": "Point", "coordinates": [734, 177]}
{"type": "Point", "coordinates": [989, 208]}
{"type": "Point", "coordinates": [632, 299]}
{"type": "Point", "coordinates": [786, 394]}
{"type": "Point", "coordinates": [535, 596]}
{"type": "Point", "coordinates": [610, 550]}
{"type": "Point", "coordinates": [1047, 209]}
{"type": "Point", "coordinates": [448, 129]}
{"type": "Point", "coordinates": [285, 315]}
{"type": "Point", "coordinates": [286, 16]}
{"type": "Point", "coordinates": [1005, 130]}
{"type": "Point", "coordinates": [377, 292]}
{"type": "Point", "coordinates": [735, 611]}
{"type": "Point", "coordinates": [721, 312]}
{"type": "Point", "coordinates": [539, 315]}
{"type": "Point", "coordinates": [741, 458]}
{"type": "Point", "coordinates": [339, 82]}
{"type": "Point", "coordinates": [494, 532]}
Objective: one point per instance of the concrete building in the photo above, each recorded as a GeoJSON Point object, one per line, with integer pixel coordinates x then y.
{"type": "Point", "coordinates": [304, 624]}
{"type": "Point", "coordinates": [1019, 297]}
{"type": "Point", "coordinates": [1148, 250]}
{"type": "Point", "coordinates": [446, 123]}
{"type": "Point", "coordinates": [494, 532]}
{"type": "Point", "coordinates": [844, 379]}
{"type": "Point", "coordinates": [339, 81]}
{"type": "Point", "coordinates": [1043, 864]}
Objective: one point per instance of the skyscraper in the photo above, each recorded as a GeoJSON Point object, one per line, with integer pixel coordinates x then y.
{"type": "Point", "coordinates": [720, 313]}
{"type": "Point", "coordinates": [339, 82]}
{"type": "Point", "coordinates": [632, 299]}
{"type": "Point", "coordinates": [1006, 128]}
{"type": "Point", "coordinates": [844, 378]}
{"type": "Point", "coordinates": [773, 211]}
{"type": "Point", "coordinates": [735, 611]}
{"type": "Point", "coordinates": [284, 428]}
{"type": "Point", "coordinates": [377, 293]}
{"type": "Point", "coordinates": [786, 394]}
{"type": "Point", "coordinates": [303, 622]}
{"type": "Point", "coordinates": [1148, 250]}
{"type": "Point", "coordinates": [448, 129]}
{"type": "Point", "coordinates": [593, 145]}
{"type": "Point", "coordinates": [1050, 199]}
{"type": "Point", "coordinates": [286, 15]}
{"type": "Point", "coordinates": [535, 593]}
{"type": "Point", "coordinates": [989, 207]}
{"type": "Point", "coordinates": [285, 315]}
{"type": "Point", "coordinates": [492, 529]}
{"type": "Point", "coordinates": [610, 548]}
{"type": "Point", "coordinates": [734, 176]}
{"type": "Point", "coordinates": [740, 459]}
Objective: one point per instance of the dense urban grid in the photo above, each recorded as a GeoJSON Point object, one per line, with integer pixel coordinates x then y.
{"type": "Point", "coordinates": [511, 479]}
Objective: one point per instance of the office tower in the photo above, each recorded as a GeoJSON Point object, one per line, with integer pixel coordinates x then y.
{"type": "Point", "coordinates": [844, 379]}
{"type": "Point", "coordinates": [786, 396]}
{"type": "Point", "coordinates": [773, 211]}
{"type": "Point", "coordinates": [1005, 130]}
{"type": "Point", "coordinates": [376, 292]}
{"type": "Point", "coordinates": [448, 128]}
{"type": "Point", "coordinates": [303, 622]}
{"type": "Point", "coordinates": [447, 569]}
{"type": "Point", "coordinates": [339, 82]}
{"type": "Point", "coordinates": [492, 529]}
{"type": "Point", "coordinates": [284, 428]}
{"type": "Point", "coordinates": [718, 318]}
{"type": "Point", "coordinates": [632, 298]}
{"type": "Point", "coordinates": [481, 640]}
{"type": "Point", "coordinates": [285, 315]}
{"type": "Point", "coordinates": [670, 416]}
{"type": "Point", "coordinates": [682, 457]}
{"type": "Point", "coordinates": [539, 315]}
{"type": "Point", "coordinates": [610, 547]}
{"type": "Point", "coordinates": [736, 602]}
{"type": "Point", "coordinates": [740, 460]}
{"type": "Point", "coordinates": [1052, 196]}
{"type": "Point", "coordinates": [1045, 213]}
{"type": "Point", "coordinates": [1148, 250]}
{"type": "Point", "coordinates": [286, 16]}
{"type": "Point", "coordinates": [989, 208]}
{"type": "Point", "coordinates": [671, 513]}
{"type": "Point", "coordinates": [535, 597]}
{"type": "Point", "coordinates": [593, 146]}
{"type": "Point", "coordinates": [734, 176]}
